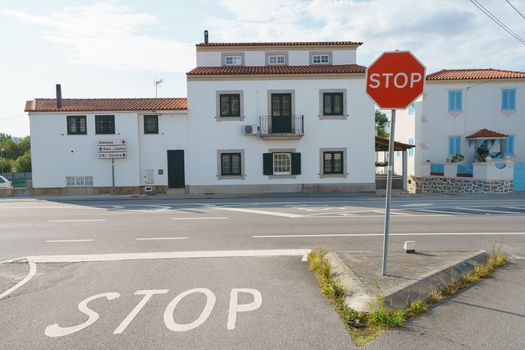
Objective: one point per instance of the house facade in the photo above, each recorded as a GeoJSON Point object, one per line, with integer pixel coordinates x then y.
{"type": "Point", "coordinates": [468, 129]}
{"type": "Point", "coordinates": [259, 117]}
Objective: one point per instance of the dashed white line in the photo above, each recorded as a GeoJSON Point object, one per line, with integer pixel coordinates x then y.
{"type": "Point", "coordinates": [395, 234]}
{"type": "Point", "coordinates": [486, 211]}
{"type": "Point", "coordinates": [68, 240]}
{"type": "Point", "coordinates": [77, 220]}
{"type": "Point", "coordinates": [32, 271]}
{"type": "Point", "coordinates": [261, 212]}
{"type": "Point", "coordinates": [203, 218]}
{"type": "Point", "coordinates": [160, 238]}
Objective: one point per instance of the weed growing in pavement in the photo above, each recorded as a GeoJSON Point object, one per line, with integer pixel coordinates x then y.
{"type": "Point", "coordinates": [364, 327]}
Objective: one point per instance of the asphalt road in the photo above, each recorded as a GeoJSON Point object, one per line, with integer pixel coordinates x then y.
{"type": "Point", "coordinates": [232, 250]}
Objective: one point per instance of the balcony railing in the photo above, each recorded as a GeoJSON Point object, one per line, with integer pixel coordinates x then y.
{"type": "Point", "coordinates": [281, 127]}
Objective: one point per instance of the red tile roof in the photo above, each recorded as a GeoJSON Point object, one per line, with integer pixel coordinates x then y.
{"type": "Point", "coordinates": [382, 145]}
{"type": "Point", "coordinates": [469, 74]}
{"type": "Point", "coordinates": [107, 104]}
{"type": "Point", "coordinates": [284, 43]}
{"type": "Point", "coordinates": [486, 134]}
{"type": "Point", "coordinates": [261, 70]}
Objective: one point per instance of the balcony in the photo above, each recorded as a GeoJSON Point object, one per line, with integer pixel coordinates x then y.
{"type": "Point", "coordinates": [281, 127]}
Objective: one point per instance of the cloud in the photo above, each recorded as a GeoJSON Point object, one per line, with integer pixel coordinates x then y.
{"type": "Point", "coordinates": [112, 37]}
{"type": "Point", "coordinates": [443, 33]}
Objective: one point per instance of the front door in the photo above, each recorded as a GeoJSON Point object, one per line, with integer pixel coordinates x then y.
{"type": "Point", "coordinates": [281, 113]}
{"type": "Point", "coordinates": [519, 177]}
{"type": "Point", "coordinates": [176, 169]}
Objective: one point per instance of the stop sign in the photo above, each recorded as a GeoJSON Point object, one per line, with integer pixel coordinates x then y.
{"type": "Point", "coordinates": [395, 79]}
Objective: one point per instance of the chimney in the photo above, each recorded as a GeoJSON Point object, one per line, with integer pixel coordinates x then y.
{"type": "Point", "coordinates": [206, 37]}
{"type": "Point", "coordinates": [59, 96]}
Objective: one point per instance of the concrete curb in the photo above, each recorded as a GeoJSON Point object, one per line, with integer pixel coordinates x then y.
{"type": "Point", "coordinates": [360, 298]}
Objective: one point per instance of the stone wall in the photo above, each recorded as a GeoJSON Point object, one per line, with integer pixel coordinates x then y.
{"type": "Point", "coordinates": [440, 184]}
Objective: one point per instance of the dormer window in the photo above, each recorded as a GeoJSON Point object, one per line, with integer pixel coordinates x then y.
{"type": "Point", "coordinates": [232, 60]}
{"type": "Point", "coordinates": [276, 60]}
{"type": "Point", "coordinates": [320, 58]}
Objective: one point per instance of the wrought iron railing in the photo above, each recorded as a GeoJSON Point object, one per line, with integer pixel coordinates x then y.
{"type": "Point", "coordinates": [273, 125]}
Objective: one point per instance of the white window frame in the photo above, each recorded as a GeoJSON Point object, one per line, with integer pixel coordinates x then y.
{"type": "Point", "coordinates": [279, 60]}
{"type": "Point", "coordinates": [276, 156]}
{"type": "Point", "coordinates": [321, 60]}
{"type": "Point", "coordinates": [236, 60]}
{"type": "Point", "coordinates": [79, 181]}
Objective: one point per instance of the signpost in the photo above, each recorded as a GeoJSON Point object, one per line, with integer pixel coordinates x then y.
{"type": "Point", "coordinates": [393, 81]}
{"type": "Point", "coordinates": [112, 149]}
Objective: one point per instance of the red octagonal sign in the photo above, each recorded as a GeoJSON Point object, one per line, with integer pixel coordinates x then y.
{"type": "Point", "coordinates": [395, 79]}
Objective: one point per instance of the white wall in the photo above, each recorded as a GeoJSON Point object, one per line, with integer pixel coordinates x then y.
{"type": "Point", "coordinates": [208, 135]}
{"type": "Point", "coordinates": [481, 109]}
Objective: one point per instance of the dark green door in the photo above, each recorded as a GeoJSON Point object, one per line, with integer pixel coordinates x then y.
{"type": "Point", "coordinates": [281, 113]}
{"type": "Point", "coordinates": [176, 169]}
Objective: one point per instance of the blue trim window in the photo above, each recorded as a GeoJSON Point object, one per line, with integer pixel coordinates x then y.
{"type": "Point", "coordinates": [455, 101]}
{"type": "Point", "coordinates": [454, 145]}
{"type": "Point", "coordinates": [509, 146]}
{"type": "Point", "coordinates": [411, 109]}
{"type": "Point", "coordinates": [411, 150]}
{"type": "Point", "coordinates": [508, 99]}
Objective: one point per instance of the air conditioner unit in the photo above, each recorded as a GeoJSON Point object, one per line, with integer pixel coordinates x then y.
{"type": "Point", "coordinates": [251, 129]}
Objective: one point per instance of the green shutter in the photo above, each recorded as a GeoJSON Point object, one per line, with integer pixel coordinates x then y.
{"type": "Point", "coordinates": [267, 163]}
{"type": "Point", "coordinates": [296, 163]}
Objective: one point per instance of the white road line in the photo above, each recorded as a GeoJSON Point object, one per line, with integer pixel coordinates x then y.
{"type": "Point", "coordinates": [159, 238]}
{"type": "Point", "coordinates": [203, 218]}
{"type": "Point", "coordinates": [32, 271]}
{"type": "Point", "coordinates": [354, 216]}
{"type": "Point", "coordinates": [168, 255]}
{"type": "Point", "coordinates": [260, 212]}
{"type": "Point", "coordinates": [396, 234]}
{"type": "Point", "coordinates": [486, 210]}
{"type": "Point", "coordinates": [438, 211]}
{"type": "Point", "coordinates": [68, 240]}
{"type": "Point", "coordinates": [78, 220]}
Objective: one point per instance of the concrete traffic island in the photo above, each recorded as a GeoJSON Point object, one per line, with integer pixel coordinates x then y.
{"type": "Point", "coordinates": [411, 276]}
{"type": "Point", "coordinates": [369, 303]}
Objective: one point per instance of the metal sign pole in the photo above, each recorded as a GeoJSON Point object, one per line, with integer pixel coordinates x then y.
{"type": "Point", "coordinates": [113, 176]}
{"type": "Point", "coordinates": [388, 191]}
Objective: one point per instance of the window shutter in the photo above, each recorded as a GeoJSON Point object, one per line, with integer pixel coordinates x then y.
{"type": "Point", "coordinates": [450, 146]}
{"type": "Point", "coordinates": [296, 163]}
{"type": "Point", "coordinates": [512, 99]}
{"type": "Point", "coordinates": [457, 147]}
{"type": "Point", "coordinates": [267, 163]}
{"type": "Point", "coordinates": [451, 101]}
{"type": "Point", "coordinates": [459, 100]}
{"type": "Point", "coordinates": [510, 146]}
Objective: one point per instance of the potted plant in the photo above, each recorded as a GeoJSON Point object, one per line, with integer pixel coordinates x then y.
{"type": "Point", "coordinates": [482, 153]}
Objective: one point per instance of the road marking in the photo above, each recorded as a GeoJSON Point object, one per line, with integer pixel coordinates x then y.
{"type": "Point", "coordinates": [203, 218]}
{"type": "Point", "coordinates": [68, 240]}
{"type": "Point", "coordinates": [486, 211]}
{"type": "Point", "coordinates": [168, 255]}
{"type": "Point", "coordinates": [147, 296]}
{"type": "Point", "coordinates": [261, 212]}
{"type": "Point", "coordinates": [159, 238]}
{"type": "Point", "coordinates": [78, 220]}
{"type": "Point", "coordinates": [32, 271]}
{"type": "Point", "coordinates": [395, 234]}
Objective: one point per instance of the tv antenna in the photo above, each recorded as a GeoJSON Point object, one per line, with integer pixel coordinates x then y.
{"type": "Point", "coordinates": [157, 83]}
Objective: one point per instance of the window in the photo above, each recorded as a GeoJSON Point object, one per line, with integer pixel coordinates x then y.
{"type": "Point", "coordinates": [333, 103]}
{"type": "Point", "coordinates": [231, 164]}
{"type": "Point", "coordinates": [282, 163]}
{"type": "Point", "coordinates": [149, 177]}
{"type": "Point", "coordinates": [454, 145]}
{"type": "Point", "coordinates": [105, 124]}
{"type": "Point", "coordinates": [151, 124]}
{"type": "Point", "coordinates": [411, 109]}
{"type": "Point", "coordinates": [76, 125]}
{"type": "Point", "coordinates": [455, 101]}
{"type": "Point", "coordinates": [79, 181]}
{"type": "Point", "coordinates": [276, 60]}
{"type": "Point", "coordinates": [333, 162]}
{"type": "Point", "coordinates": [321, 58]}
{"type": "Point", "coordinates": [230, 105]}
{"type": "Point", "coordinates": [509, 146]}
{"type": "Point", "coordinates": [232, 60]}
{"type": "Point", "coordinates": [411, 150]}
{"type": "Point", "coordinates": [508, 99]}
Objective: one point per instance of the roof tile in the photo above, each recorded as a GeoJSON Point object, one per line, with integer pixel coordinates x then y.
{"type": "Point", "coordinates": [261, 70]}
{"type": "Point", "coordinates": [486, 133]}
{"type": "Point", "coordinates": [284, 43]}
{"type": "Point", "coordinates": [107, 104]}
{"type": "Point", "coordinates": [470, 74]}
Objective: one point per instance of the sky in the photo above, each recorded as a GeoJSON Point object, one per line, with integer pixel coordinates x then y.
{"type": "Point", "coordinates": [117, 48]}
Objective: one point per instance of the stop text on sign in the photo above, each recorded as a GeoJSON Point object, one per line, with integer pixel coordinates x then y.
{"type": "Point", "coordinates": [55, 330]}
{"type": "Point", "coordinates": [399, 80]}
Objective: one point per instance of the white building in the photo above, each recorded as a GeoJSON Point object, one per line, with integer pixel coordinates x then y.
{"type": "Point", "coordinates": [260, 117]}
{"type": "Point", "coordinates": [468, 129]}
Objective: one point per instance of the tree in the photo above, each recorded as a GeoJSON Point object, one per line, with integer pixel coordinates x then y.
{"type": "Point", "coordinates": [10, 149]}
{"type": "Point", "coordinates": [23, 163]}
{"type": "Point", "coordinates": [4, 137]}
{"type": "Point", "coordinates": [6, 165]}
{"type": "Point", "coordinates": [381, 123]}
{"type": "Point", "coordinates": [24, 145]}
